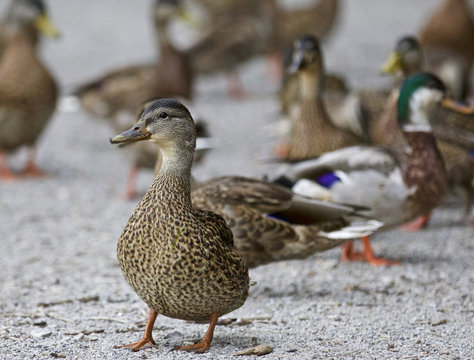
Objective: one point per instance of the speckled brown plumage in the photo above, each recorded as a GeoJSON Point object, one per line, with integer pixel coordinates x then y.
{"type": "Point", "coordinates": [267, 223]}
{"type": "Point", "coordinates": [178, 259]}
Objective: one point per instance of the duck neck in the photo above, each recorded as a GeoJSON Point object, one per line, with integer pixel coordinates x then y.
{"type": "Point", "coordinates": [172, 184]}
{"type": "Point", "coordinates": [163, 35]}
{"type": "Point", "coordinates": [312, 82]}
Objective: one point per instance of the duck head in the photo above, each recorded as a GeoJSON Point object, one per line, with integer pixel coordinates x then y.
{"type": "Point", "coordinates": [30, 13]}
{"type": "Point", "coordinates": [418, 95]}
{"type": "Point", "coordinates": [306, 55]}
{"type": "Point", "coordinates": [407, 57]}
{"type": "Point", "coordinates": [168, 124]}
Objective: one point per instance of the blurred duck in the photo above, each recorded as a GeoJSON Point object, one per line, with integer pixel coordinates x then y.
{"type": "Point", "coordinates": [240, 30]}
{"type": "Point", "coordinates": [449, 32]}
{"type": "Point", "coordinates": [410, 57]}
{"type": "Point", "coordinates": [272, 223]}
{"type": "Point", "coordinates": [28, 91]}
{"type": "Point", "coordinates": [118, 94]}
{"type": "Point", "coordinates": [452, 123]}
{"type": "Point", "coordinates": [399, 183]}
{"type": "Point", "coordinates": [312, 132]}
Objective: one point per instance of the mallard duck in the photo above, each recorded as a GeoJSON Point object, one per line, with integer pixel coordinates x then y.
{"type": "Point", "coordinates": [117, 95]}
{"type": "Point", "coordinates": [354, 111]}
{"type": "Point", "coordinates": [178, 259]}
{"type": "Point", "coordinates": [312, 130]}
{"type": "Point", "coordinates": [397, 184]}
{"type": "Point", "coordinates": [450, 29]}
{"type": "Point", "coordinates": [240, 30]}
{"type": "Point", "coordinates": [28, 91]}
{"type": "Point", "coordinates": [409, 57]}
{"type": "Point", "coordinates": [272, 223]}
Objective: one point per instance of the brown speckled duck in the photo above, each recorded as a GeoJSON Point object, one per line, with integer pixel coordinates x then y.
{"type": "Point", "coordinates": [272, 223]}
{"type": "Point", "coordinates": [178, 259]}
{"type": "Point", "coordinates": [398, 184]}
{"type": "Point", "coordinates": [312, 130]}
{"type": "Point", "coordinates": [118, 94]}
{"type": "Point", "coordinates": [28, 92]}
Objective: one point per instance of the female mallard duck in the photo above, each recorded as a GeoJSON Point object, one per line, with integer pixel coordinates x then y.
{"type": "Point", "coordinates": [450, 31]}
{"type": "Point", "coordinates": [117, 95]}
{"type": "Point", "coordinates": [26, 102]}
{"type": "Point", "coordinates": [445, 118]}
{"type": "Point", "coordinates": [178, 259]}
{"type": "Point", "coordinates": [272, 223]}
{"type": "Point", "coordinates": [410, 57]}
{"type": "Point", "coordinates": [397, 184]}
{"type": "Point", "coordinates": [241, 30]}
{"type": "Point", "coordinates": [312, 130]}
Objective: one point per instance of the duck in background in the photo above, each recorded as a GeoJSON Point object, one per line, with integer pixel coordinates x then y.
{"type": "Point", "coordinates": [398, 183]}
{"type": "Point", "coordinates": [116, 95]}
{"type": "Point", "coordinates": [28, 91]}
{"type": "Point", "coordinates": [179, 260]}
{"type": "Point", "coordinates": [240, 30]}
{"type": "Point", "coordinates": [448, 35]}
{"type": "Point", "coordinates": [408, 59]}
{"type": "Point", "coordinates": [312, 131]}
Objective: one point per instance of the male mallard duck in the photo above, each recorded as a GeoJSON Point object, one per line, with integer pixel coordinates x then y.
{"type": "Point", "coordinates": [410, 57]}
{"type": "Point", "coordinates": [397, 184]}
{"type": "Point", "coordinates": [407, 58]}
{"type": "Point", "coordinates": [312, 130]}
{"type": "Point", "coordinates": [178, 259]}
{"type": "Point", "coordinates": [272, 223]}
{"type": "Point", "coordinates": [117, 95]}
{"type": "Point", "coordinates": [28, 92]}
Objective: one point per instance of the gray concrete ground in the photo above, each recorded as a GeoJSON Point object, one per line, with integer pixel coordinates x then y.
{"type": "Point", "coordinates": [62, 292]}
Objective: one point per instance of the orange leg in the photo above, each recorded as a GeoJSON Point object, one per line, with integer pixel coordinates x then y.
{"type": "Point", "coordinates": [367, 255]}
{"type": "Point", "coordinates": [420, 223]}
{"type": "Point", "coordinates": [348, 253]}
{"type": "Point", "coordinates": [131, 189]}
{"type": "Point", "coordinates": [234, 85]}
{"type": "Point", "coordinates": [274, 67]}
{"type": "Point", "coordinates": [147, 337]}
{"type": "Point", "coordinates": [204, 345]}
{"type": "Point", "coordinates": [281, 150]}
{"type": "Point", "coordinates": [5, 172]}
{"type": "Point", "coordinates": [31, 169]}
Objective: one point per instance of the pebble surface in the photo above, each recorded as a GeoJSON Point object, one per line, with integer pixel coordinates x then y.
{"type": "Point", "coordinates": [63, 295]}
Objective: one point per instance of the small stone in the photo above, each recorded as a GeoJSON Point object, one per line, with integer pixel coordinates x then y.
{"type": "Point", "coordinates": [174, 335]}
{"type": "Point", "coordinates": [258, 350]}
{"type": "Point", "coordinates": [39, 333]}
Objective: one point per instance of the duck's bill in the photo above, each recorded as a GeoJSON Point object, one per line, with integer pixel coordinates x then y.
{"type": "Point", "coordinates": [134, 134]}
{"type": "Point", "coordinates": [392, 64]}
{"type": "Point", "coordinates": [453, 105]}
{"type": "Point", "coordinates": [297, 62]}
{"type": "Point", "coordinates": [46, 27]}
{"type": "Point", "coordinates": [188, 18]}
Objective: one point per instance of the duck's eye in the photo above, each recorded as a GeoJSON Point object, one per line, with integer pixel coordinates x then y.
{"type": "Point", "coordinates": [163, 115]}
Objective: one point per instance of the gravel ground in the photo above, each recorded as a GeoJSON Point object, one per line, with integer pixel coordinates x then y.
{"type": "Point", "coordinates": [63, 295]}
